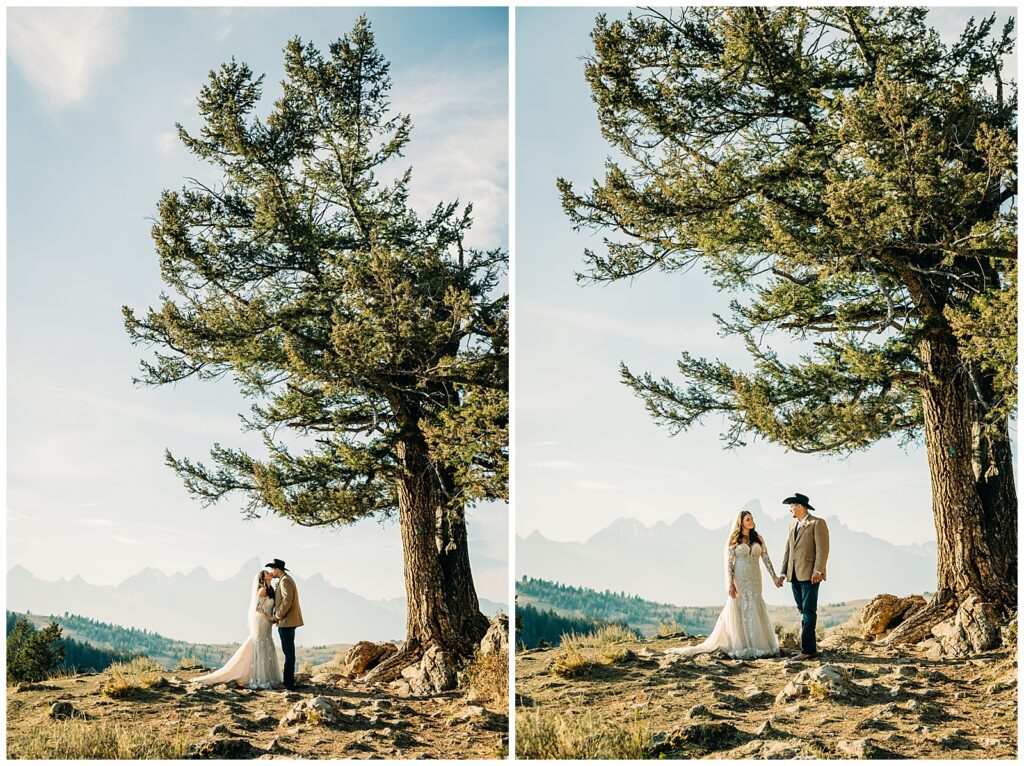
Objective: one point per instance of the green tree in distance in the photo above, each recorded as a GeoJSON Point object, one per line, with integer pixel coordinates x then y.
{"type": "Point", "coordinates": [853, 179]}
{"type": "Point", "coordinates": [33, 655]}
{"type": "Point", "coordinates": [376, 340]}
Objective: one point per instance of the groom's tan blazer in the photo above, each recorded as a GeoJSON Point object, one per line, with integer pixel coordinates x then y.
{"type": "Point", "coordinates": [286, 603]}
{"type": "Point", "coordinates": [806, 552]}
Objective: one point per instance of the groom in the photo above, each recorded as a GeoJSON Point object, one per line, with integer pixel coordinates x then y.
{"type": "Point", "coordinates": [803, 564]}
{"type": "Point", "coordinates": [287, 615]}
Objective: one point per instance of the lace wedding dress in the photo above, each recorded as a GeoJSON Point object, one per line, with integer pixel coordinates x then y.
{"type": "Point", "coordinates": [743, 630]}
{"type": "Point", "coordinates": [255, 663]}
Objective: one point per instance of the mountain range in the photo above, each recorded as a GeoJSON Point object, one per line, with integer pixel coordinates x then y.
{"type": "Point", "coordinates": [683, 562]}
{"type": "Point", "coordinates": [196, 607]}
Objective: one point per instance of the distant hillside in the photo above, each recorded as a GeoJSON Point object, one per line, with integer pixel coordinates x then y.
{"type": "Point", "coordinates": [200, 609]}
{"type": "Point", "coordinates": [535, 627]}
{"type": "Point", "coordinates": [79, 655]}
{"type": "Point", "coordinates": [122, 643]}
{"type": "Point", "coordinates": [683, 562]}
{"type": "Point", "coordinates": [649, 616]}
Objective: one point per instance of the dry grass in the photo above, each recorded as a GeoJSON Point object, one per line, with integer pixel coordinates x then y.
{"type": "Point", "coordinates": [616, 655]}
{"type": "Point", "coordinates": [306, 667]}
{"type": "Point", "coordinates": [126, 679]}
{"type": "Point", "coordinates": [487, 676]}
{"type": "Point", "coordinates": [76, 739]}
{"type": "Point", "coordinates": [667, 629]}
{"type": "Point", "coordinates": [570, 662]}
{"type": "Point", "coordinates": [544, 734]}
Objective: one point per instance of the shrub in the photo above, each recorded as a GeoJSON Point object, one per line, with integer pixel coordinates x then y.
{"type": "Point", "coordinates": [125, 679]}
{"type": "Point", "coordinates": [191, 662]}
{"type": "Point", "coordinates": [76, 739]}
{"type": "Point", "coordinates": [570, 662]}
{"type": "Point", "coordinates": [667, 628]}
{"type": "Point", "coordinates": [611, 634]}
{"type": "Point", "coordinates": [789, 637]}
{"type": "Point", "coordinates": [487, 676]}
{"type": "Point", "coordinates": [550, 735]}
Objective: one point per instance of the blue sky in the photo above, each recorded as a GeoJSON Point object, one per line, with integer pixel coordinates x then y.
{"type": "Point", "coordinates": [586, 450]}
{"type": "Point", "coordinates": [92, 98]}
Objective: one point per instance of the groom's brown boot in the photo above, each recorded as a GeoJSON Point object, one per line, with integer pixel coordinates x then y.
{"type": "Point", "coordinates": [804, 656]}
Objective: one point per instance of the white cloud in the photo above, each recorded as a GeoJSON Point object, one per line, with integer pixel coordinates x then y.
{"type": "Point", "coordinates": [19, 516]}
{"type": "Point", "coordinates": [592, 485]}
{"type": "Point", "coordinates": [459, 144]}
{"type": "Point", "coordinates": [554, 464]}
{"type": "Point", "coordinates": [96, 522]}
{"type": "Point", "coordinates": [126, 540]}
{"type": "Point", "coordinates": [167, 141]}
{"type": "Point", "coordinates": [670, 334]}
{"type": "Point", "coordinates": [62, 51]}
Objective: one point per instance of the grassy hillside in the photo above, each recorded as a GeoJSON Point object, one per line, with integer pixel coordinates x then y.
{"type": "Point", "coordinates": [651, 617]}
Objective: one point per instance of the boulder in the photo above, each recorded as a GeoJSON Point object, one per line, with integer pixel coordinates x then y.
{"type": "Point", "coordinates": [495, 641]}
{"type": "Point", "coordinates": [365, 656]}
{"type": "Point", "coordinates": [435, 672]}
{"type": "Point", "coordinates": [884, 612]}
{"type": "Point", "coordinates": [974, 628]}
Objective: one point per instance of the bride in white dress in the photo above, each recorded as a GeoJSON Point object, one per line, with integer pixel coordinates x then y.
{"type": "Point", "coordinates": [743, 630]}
{"type": "Point", "coordinates": [255, 663]}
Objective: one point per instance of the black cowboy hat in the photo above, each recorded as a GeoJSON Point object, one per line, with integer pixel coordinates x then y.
{"type": "Point", "coordinates": [799, 498]}
{"type": "Point", "coordinates": [276, 564]}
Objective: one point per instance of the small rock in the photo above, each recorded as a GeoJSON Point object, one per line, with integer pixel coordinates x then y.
{"type": "Point", "coordinates": [469, 712]}
{"type": "Point", "coordinates": [226, 747]}
{"type": "Point", "coordinates": [700, 711]}
{"type": "Point", "coordinates": [62, 710]}
{"type": "Point", "coordinates": [219, 729]}
{"type": "Point", "coordinates": [859, 748]}
{"type": "Point", "coordinates": [954, 740]}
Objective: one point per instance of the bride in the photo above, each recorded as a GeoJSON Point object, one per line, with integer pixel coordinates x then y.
{"type": "Point", "coordinates": [743, 630]}
{"type": "Point", "coordinates": [255, 663]}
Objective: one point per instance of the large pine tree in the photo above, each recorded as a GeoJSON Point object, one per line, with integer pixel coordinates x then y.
{"type": "Point", "coordinates": [373, 339]}
{"type": "Point", "coordinates": [853, 179]}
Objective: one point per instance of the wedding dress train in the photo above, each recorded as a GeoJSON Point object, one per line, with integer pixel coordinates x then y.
{"type": "Point", "coordinates": [255, 663]}
{"type": "Point", "coordinates": [743, 630]}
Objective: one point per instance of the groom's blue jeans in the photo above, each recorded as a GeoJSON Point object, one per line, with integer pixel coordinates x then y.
{"type": "Point", "coordinates": [806, 595]}
{"type": "Point", "coordinates": [288, 647]}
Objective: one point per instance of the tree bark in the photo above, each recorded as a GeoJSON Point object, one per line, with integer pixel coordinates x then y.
{"type": "Point", "coordinates": [974, 506]}
{"type": "Point", "coordinates": [442, 608]}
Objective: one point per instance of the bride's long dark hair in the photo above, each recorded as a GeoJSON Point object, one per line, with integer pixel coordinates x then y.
{"type": "Point", "coordinates": [263, 581]}
{"type": "Point", "coordinates": [736, 537]}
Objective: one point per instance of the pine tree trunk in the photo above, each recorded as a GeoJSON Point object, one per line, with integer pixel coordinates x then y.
{"type": "Point", "coordinates": [975, 515]}
{"type": "Point", "coordinates": [442, 608]}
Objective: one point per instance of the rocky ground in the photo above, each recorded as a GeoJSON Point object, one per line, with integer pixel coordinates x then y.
{"type": "Point", "coordinates": [340, 719]}
{"type": "Point", "coordinates": [142, 711]}
{"type": "Point", "coordinates": [857, 699]}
